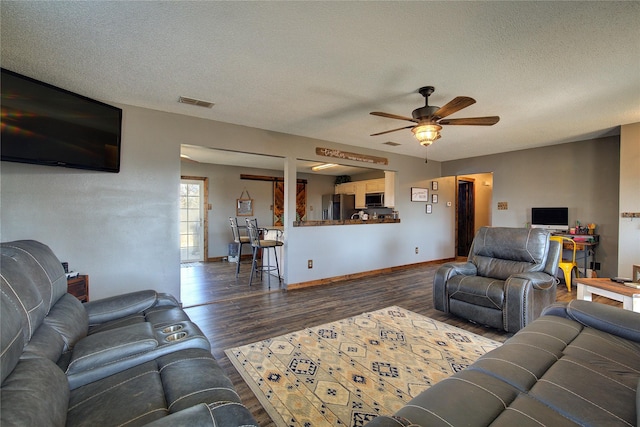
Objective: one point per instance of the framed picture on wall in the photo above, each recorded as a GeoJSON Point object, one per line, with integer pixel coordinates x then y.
{"type": "Point", "coordinates": [434, 185]}
{"type": "Point", "coordinates": [244, 207]}
{"type": "Point", "coordinates": [434, 198]}
{"type": "Point", "coordinates": [419, 194]}
{"type": "Point", "coordinates": [429, 209]}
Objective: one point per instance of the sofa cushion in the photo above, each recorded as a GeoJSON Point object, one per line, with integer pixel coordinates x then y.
{"type": "Point", "coordinates": [161, 387]}
{"type": "Point", "coordinates": [36, 393]}
{"type": "Point", "coordinates": [528, 412]}
{"type": "Point", "coordinates": [467, 398]}
{"type": "Point", "coordinates": [40, 263]}
{"type": "Point", "coordinates": [23, 293]}
{"type": "Point", "coordinates": [583, 392]}
{"type": "Point", "coordinates": [11, 336]}
{"type": "Point", "coordinates": [69, 319]}
{"type": "Point", "coordinates": [500, 252]}
{"type": "Point", "coordinates": [477, 290]}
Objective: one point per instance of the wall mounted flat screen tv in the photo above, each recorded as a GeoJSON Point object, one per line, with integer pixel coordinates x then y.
{"type": "Point", "coordinates": [47, 125]}
{"type": "Point", "coordinates": [550, 218]}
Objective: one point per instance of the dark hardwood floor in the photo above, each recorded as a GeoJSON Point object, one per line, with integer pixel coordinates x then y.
{"type": "Point", "coordinates": [230, 313]}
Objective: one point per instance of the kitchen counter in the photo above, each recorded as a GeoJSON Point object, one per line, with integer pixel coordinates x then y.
{"type": "Point", "coordinates": [345, 222]}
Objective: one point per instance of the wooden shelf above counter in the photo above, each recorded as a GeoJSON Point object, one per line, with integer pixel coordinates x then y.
{"type": "Point", "coordinates": [345, 222]}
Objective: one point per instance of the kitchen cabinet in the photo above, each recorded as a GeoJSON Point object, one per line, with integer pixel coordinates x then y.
{"type": "Point", "coordinates": [389, 189]}
{"type": "Point", "coordinates": [374, 185]}
{"type": "Point", "coordinates": [362, 188]}
{"type": "Point", "coordinates": [360, 194]}
{"type": "Point", "coordinates": [346, 188]}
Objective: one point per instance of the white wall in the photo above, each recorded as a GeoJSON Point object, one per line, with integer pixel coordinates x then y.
{"type": "Point", "coordinates": [629, 229]}
{"type": "Point", "coordinates": [122, 229]}
{"type": "Point", "coordinates": [583, 176]}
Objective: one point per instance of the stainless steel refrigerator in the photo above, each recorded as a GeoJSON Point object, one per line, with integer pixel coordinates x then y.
{"type": "Point", "coordinates": [338, 206]}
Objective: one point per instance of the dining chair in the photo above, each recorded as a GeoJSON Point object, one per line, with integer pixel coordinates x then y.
{"type": "Point", "coordinates": [258, 247]}
{"type": "Point", "coordinates": [240, 239]}
{"type": "Point", "coordinates": [565, 264]}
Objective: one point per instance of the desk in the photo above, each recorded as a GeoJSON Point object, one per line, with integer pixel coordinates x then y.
{"type": "Point", "coordinates": [588, 248]}
{"type": "Point", "coordinates": [630, 297]}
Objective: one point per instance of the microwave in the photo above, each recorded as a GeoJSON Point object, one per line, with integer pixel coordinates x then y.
{"type": "Point", "coordinates": [374, 200]}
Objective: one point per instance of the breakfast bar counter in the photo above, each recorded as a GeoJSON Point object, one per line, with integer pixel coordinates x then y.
{"type": "Point", "coordinates": [345, 222]}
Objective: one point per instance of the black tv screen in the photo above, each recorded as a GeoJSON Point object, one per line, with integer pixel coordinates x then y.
{"type": "Point", "coordinates": [44, 124]}
{"type": "Point", "coordinates": [551, 218]}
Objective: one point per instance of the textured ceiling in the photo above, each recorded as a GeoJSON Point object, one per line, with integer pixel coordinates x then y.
{"type": "Point", "coordinates": [554, 72]}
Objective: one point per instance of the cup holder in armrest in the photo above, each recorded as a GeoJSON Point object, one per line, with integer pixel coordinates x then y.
{"type": "Point", "coordinates": [176, 336]}
{"type": "Point", "coordinates": [180, 334]}
{"type": "Point", "coordinates": [172, 328]}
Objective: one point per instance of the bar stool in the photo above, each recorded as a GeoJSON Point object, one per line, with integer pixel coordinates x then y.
{"type": "Point", "coordinates": [239, 240]}
{"type": "Point", "coordinates": [258, 245]}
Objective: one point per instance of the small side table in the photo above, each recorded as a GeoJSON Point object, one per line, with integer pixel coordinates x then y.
{"type": "Point", "coordinates": [629, 297]}
{"type": "Point", "coordinates": [79, 287]}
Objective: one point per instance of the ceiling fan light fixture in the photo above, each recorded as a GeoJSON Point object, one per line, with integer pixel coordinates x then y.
{"type": "Point", "coordinates": [324, 166]}
{"type": "Point", "coordinates": [426, 133]}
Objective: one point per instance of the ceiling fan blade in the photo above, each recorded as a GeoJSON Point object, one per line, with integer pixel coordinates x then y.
{"type": "Point", "coordinates": [392, 116]}
{"type": "Point", "coordinates": [456, 104]}
{"type": "Point", "coordinates": [389, 131]}
{"type": "Point", "coordinates": [475, 121]}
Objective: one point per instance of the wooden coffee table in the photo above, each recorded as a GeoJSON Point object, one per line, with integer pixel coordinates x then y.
{"type": "Point", "coordinates": [630, 297]}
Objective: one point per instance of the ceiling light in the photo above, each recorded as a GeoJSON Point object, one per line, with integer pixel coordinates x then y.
{"type": "Point", "coordinates": [324, 166]}
{"type": "Point", "coordinates": [426, 133]}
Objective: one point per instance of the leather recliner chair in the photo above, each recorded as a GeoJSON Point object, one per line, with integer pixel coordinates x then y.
{"type": "Point", "coordinates": [508, 278]}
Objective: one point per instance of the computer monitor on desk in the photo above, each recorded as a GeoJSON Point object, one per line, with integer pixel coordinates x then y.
{"type": "Point", "coordinates": [552, 219]}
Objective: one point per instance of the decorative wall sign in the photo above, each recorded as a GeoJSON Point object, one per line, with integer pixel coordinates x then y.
{"type": "Point", "coordinates": [244, 206]}
{"type": "Point", "coordinates": [419, 194]}
{"type": "Point", "coordinates": [339, 154]}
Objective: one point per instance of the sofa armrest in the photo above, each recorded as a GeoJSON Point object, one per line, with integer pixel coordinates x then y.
{"type": "Point", "coordinates": [228, 414]}
{"type": "Point", "coordinates": [442, 276]}
{"type": "Point", "coordinates": [607, 318]}
{"type": "Point", "coordinates": [465, 268]}
{"type": "Point", "coordinates": [539, 279]}
{"type": "Point", "coordinates": [525, 296]}
{"type": "Point", "coordinates": [106, 347]}
{"type": "Point", "coordinates": [116, 307]}
{"type": "Point", "coordinates": [166, 300]}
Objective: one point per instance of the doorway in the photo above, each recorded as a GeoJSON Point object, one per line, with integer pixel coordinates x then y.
{"type": "Point", "coordinates": [465, 222]}
{"type": "Point", "coordinates": [193, 220]}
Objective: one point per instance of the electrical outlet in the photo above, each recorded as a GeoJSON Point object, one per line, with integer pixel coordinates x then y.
{"type": "Point", "coordinates": [417, 249]}
{"type": "Point", "coordinates": [310, 263]}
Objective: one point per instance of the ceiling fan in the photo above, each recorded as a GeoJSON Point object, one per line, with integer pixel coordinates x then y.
{"type": "Point", "coordinates": [430, 119]}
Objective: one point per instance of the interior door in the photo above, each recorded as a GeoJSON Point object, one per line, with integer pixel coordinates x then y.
{"type": "Point", "coordinates": [466, 217]}
{"type": "Point", "coordinates": [192, 225]}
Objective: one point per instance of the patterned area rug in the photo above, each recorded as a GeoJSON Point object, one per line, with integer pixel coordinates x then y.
{"type": "Point", "coordinates": [347, 372]}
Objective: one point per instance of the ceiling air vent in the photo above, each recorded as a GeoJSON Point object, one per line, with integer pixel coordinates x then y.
{"type": "Point", "coordinates": [196, 102]}
{"type": "Point", "coordinates": [391, 143]}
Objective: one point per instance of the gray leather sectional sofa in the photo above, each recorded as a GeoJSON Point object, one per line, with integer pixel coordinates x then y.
{"type": "Point", "coordinates": [134, 359]}
{"type": "Point", "coordinates": [577, 364]}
